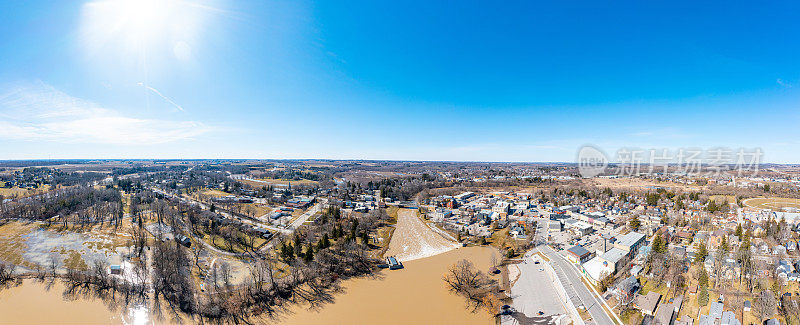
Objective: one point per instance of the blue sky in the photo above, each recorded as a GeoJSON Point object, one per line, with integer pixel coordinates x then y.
{"type": "Point", "coordinates": [521, 81]}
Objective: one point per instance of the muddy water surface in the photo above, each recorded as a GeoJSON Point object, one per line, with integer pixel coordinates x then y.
{"type": "Point", "coordinates": [32, 303]}
{"type": "Point", "coordinates": [414, 295]}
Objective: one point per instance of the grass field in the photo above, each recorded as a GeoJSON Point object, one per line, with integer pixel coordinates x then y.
{"type": "Point", "coordinates": [13, 243]}
{"type": "Point", "coordinates": [723, 198]}
{"type": "Point", "coordinates": [215, 193]}
{"type": "Point", "coordinates": [274, 181]}
{"type": "Point", "coordinates": [219, 243]}
{"type": "Point", "coordinates": [640, 184]}
{"type": "Point", "coordinates": [22, 192]}
{"type": "Point", "coordinates": [774, 203]}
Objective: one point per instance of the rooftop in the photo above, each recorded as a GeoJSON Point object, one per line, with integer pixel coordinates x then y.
{"type": "Point", "coordinates": [630, 239]}
{"type": "Point", "coordinates": [614, 255]}
{"type": "Point", "coordinates": [664, 314]}
{"type": "Point", "coordinates": [578, 251]}
{"type": "Point", "coordinates": [648, 302]}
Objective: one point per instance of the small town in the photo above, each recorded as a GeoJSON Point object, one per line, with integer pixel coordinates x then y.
{"type": "Point", "coordinates": [306, 162]}
{"type": "Point", "coordinates": [265, 236]}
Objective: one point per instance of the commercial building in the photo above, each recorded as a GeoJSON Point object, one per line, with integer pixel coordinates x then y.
{"type": "Point", "coordinates": [578, 255]}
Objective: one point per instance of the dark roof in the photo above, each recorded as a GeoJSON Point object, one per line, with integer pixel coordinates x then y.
{"type": "Point", "coordinates": [578, 251]}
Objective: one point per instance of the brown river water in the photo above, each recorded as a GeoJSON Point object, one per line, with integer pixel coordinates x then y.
{"type": "Point", "coordinates": [33, 303]}
{"type": "Point", "coordinates": [413, 295]}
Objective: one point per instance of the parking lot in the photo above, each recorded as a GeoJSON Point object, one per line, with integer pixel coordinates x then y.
{"type": "Point", "coordinates": [534, 291]}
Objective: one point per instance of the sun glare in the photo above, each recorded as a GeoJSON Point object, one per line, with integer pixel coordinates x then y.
{"type": "Point", "coordinates": [144, 16]}
{"type": "Point", "coordinates": [132, 29]}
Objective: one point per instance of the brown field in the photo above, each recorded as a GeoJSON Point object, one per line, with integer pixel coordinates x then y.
{"type": "Point", "coordinates": [215, 193]}
{"type": "Point", "coordinates": [14, 244]}
{"type": "Point", "coordinates": [22, 192]}
{"type": "Point", "coordinates": [774, 203]}
{"type": "Point", "coordinates": [257, 209]}
{"type": "Point", "coordinates": [723, 198]}
{"type": "Point", "coordinates": [259, 182]}
{"type": "Point", "coordinates": [630, 183]}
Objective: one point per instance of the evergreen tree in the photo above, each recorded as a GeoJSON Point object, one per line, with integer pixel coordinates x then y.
{"type": "Point", "coordinates": [287, 252]}
{"type": "Point", "coordinates": [702, 281]}
{"type": "Point", "coordinates": [309, 256]}
{"type": "Point", "coordinates": [353, 228]}
{"type": "Point", "coordinates": [724, 245]}
{"type": "Point", "coordinates": [659, 246]}
{"type": "Point", "coordinates": [634, 223]}
{"type": "Point", "coordinates": [365, 238]}
{"type": "Point", "coordinates": [325, 241]}
{"type": "Point", "coordinates": [702, 297]}
{"type": "Point", "coordinates": [702, 252]}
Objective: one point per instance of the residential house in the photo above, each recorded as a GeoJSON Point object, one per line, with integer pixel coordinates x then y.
{"type": "Point", "coordinates": [714, 315]}
{"type": "Point", "coordinates": [647, 303]}
{"type": "Point", "coordinates": [729, 318]}
{"type": "Point", "coordinates": [664, 315]}
{"type": "Point", "coordinates": [626, 289]}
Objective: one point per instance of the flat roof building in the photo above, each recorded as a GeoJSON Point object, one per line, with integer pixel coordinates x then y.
{"type": "Point", "coordinates": [578, 255]}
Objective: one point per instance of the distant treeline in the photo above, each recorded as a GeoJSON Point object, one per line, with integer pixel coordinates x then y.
{"type": "Point", "coordinates": [29, 163]}
{"type": "Point", "coordinates": [147, 169]}
{"type": "Point", "coordinates": [51, 176]}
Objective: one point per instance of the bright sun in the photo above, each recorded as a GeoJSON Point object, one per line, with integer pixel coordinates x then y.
{"type": "Point", "coordinates": [144, 16]}
{"type": "Point", "coordinates": [137, 28]}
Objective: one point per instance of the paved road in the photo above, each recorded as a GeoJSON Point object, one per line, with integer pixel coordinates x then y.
{"type": "Point", "coordinates": [302, 219]}
{"type": "Point", "coordinates": [578, 292]}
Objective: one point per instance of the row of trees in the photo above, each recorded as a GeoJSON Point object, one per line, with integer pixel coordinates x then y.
{"type": "Point", "coordinates": [80, 205]}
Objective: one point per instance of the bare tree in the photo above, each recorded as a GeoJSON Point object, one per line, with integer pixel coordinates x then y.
{"type": "Point", "coordinates": [476, 286]}
{"type": "Point", "coordinates": [52, 264]}
{"type": "Point", "coordinates": [6, 272]}
{"type": "Point", "coordinates": [197, 251]}
{"type": "Point", "coordinates": [139, 238]}
{"type": "Point", "coordinates": [764, 306]}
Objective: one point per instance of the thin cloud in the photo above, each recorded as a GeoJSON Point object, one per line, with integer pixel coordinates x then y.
{"type": "Point", "coordinates": [162, 96]}
{"type": "Point", "coordinates": [39, 112]}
